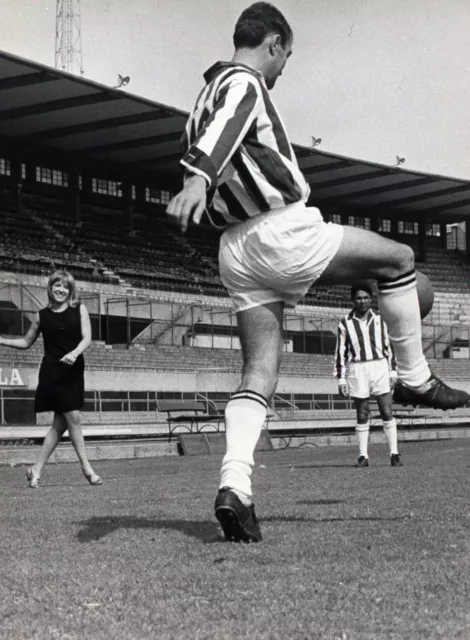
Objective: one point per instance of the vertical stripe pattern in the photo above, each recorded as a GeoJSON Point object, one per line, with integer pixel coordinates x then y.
{"type": "Point", "coordinates": [237, 141]}
{"type": "Point", "coordinates": [362, 341]}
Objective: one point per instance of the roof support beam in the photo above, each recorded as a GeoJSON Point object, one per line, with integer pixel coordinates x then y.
{"type": "Point", "coordinates": [335, 182]}
{"type": "Point", "coordinates": [164, 159]}
{"type": "Point", "coordinates": [25, 80]}
{"type": "Point", "coordinates": [58, 105]}
{"type": "Point", "coordinates": [98, 125]}
{"type": "Point", "coordinates": [443, 208]}
{"type": "Point", "coordinates": [132, 144]}
{"type": "Point", "coordinates": [364, 193]}
{"type": "Point", "coordinates": [426, 196]}
{"type": "Point", "coordinates": [332, 166]}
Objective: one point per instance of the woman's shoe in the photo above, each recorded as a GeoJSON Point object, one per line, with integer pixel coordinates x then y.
{"type": "Point", "coordinates": [32, 479]}
{"type": "Point", "coordinates": [93, 478]}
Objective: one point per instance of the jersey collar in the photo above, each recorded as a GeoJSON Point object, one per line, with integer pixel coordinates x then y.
{"type": "Point", "coordinates": [216, 68]}
{"type": "Point", "coordinates": [370, 314]}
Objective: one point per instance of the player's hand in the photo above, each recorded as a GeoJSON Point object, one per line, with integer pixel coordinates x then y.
{"type": "Point", "coordinates": [69, 358]}
{"type": "Point", "coordinates": [393, 381]}
{"type": "Point", "coordinates": [343, 390]}
{"type": "Point", "coordinates": [189, 203]}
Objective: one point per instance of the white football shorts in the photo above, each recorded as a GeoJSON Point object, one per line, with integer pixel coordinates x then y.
{"type": "Point", "coordinates": [366, 379]}
{"type": "Point", "coordinates": [276, 256]}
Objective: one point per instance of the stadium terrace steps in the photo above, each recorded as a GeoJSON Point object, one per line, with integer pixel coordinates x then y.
{"type": "Point", "coordinates": [446, 269]}
{"type": "Point", "coordinates": [102, 248]}
{"type": "Point", "coordinates": [191, 359]}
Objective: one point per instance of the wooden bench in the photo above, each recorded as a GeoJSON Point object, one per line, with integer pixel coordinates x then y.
{"type": "Point", "coordinates": [191, 415]}
{"type": "Point", "coordinates": [195, 416]}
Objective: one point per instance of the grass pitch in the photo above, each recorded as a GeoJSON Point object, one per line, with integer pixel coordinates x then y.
{"type": "Point", "coordinates": [375, 553]}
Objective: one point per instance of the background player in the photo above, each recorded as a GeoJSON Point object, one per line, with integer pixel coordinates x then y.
{"type": "Point", "coordinates": [364, 366]}
{"type": "Point", "coordinates": [240, 167]}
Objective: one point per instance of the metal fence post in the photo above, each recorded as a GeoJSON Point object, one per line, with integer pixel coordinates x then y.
{"type": "Point", "coordinates": [99, 316]}
{"type": "Point", "coordinates": [128, 324]}
{"type": "Point", "coordinates": [107, 321]}
{"type": "Point", "coordinates": [22, 309]}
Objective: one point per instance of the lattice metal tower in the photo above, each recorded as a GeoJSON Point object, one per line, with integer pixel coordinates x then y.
{"type": "Point", "coordinates": [68, 37]}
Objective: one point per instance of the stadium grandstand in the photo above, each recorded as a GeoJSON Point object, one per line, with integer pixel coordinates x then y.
{"type": "Point", "coordinates": [86, 172]}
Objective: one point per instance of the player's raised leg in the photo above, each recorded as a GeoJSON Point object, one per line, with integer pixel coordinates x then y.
{"type": "Point", "coordinates": [260, 330]}
{"type": "Point", "coordinates": [364, 254]}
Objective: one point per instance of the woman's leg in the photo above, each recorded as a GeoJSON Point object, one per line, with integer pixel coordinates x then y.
{"type": "Point", "coordinates": [52, 439]}
{"type": "Point", "coordinates": [76, 436]}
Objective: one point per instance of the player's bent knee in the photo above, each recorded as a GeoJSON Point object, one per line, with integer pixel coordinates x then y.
{"type": "Point", "coordinates": [397, 263]}
{"type": "Point", "coordinates": [406, 257]}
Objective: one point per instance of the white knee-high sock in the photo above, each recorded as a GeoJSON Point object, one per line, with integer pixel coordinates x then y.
{"type": "Point", "coordinates": [390, 430]}
{"type": "Point", "coordinates": [245, 415]}
{"type": "Point", "coordinates": [362, 431]}
{"type": "Point", "coordinates": [399, 306]}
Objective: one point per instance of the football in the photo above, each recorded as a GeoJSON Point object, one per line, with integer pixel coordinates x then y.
{"type": "Point", "coordinates": [425, 294]}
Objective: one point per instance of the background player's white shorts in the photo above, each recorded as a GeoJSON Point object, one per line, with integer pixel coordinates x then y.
{"type": "Point", "coordinates": [367, 379]}
{"type": "Point", "coordinates": [276, 255]}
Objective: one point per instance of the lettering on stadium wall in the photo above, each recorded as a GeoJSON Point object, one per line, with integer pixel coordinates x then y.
{"type": "Point", "coordinates": [10, 377]}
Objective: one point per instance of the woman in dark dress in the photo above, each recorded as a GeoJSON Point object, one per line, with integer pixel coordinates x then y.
{"type": "Point", "coordinates": [66, 332]}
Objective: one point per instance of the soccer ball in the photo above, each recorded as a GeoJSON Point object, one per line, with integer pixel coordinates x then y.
{"type": "Point", "coordinates": [425, 294]}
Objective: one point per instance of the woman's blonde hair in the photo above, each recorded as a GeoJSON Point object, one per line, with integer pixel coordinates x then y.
{"type": "Point", "coordinates": [68, 281]}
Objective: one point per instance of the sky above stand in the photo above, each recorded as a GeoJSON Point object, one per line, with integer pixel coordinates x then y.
{"type": "Point", "coordinates": [374, 79]}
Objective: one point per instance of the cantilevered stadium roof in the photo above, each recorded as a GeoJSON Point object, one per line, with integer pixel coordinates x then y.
{"type": "Point", "coordinates": [48, 110]}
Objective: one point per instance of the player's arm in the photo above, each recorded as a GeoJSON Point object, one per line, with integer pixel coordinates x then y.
{"type": "Point", "coordinates": [389, 354]}
{"type": "Point", "coordinates": [340, 360]}
{"type": "Point", "coordinates": [27, 341]}
{"type": "Point", "coordinates": [235, 110]}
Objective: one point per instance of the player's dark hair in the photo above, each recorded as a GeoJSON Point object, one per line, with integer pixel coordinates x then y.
{"type": "Point", "coordinates": [258, 21]}
{"type": "Point", "coordinates": [363, 285]}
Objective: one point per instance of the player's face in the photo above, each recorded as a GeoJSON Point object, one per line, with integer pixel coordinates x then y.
{"type": "Point", "coordinates": [281, 53]}
{"type": "Point", "coordinates": [60, 292]}
{"type": "Point", "coordinates": [362, 302]}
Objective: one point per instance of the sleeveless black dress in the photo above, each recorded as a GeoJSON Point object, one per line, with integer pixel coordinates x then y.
{"type": "Point", "coordinates": [61, 387]}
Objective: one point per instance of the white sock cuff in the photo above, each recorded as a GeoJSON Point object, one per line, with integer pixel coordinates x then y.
{"type": "Point", "coordinates": [390, 424]}
{"type": "Point", "coordinates": [404, 282]}
{"type": "Point", "coordinates": [363, 427]}
{"type": "Point", "coordinates": [249, 400]}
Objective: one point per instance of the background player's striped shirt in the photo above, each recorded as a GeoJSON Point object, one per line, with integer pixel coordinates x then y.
{"type": "Point", "coordinates": [362, 341]}
{"type": "Point", "coordinates": [236, 140]}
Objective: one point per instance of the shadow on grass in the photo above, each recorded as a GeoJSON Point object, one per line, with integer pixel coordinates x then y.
{"type": "Point", "coordinates": [323, 466]}
{"type": "Point", "coordinates": [208, 532]}
{"type": "Point", "coordinates": [319, 502]}
{"type": "Point", "coordinates": [326, 520]}
{"type": "Point", "coordinates": [98, 527]}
